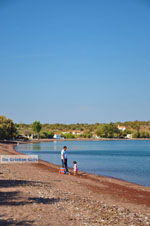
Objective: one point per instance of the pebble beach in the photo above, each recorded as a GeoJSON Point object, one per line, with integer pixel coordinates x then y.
{"type": "Point", "coordinates": [36, 194]}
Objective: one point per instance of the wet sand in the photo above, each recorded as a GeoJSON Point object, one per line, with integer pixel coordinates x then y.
{"type": "Point", "coordinates": [36, 194]}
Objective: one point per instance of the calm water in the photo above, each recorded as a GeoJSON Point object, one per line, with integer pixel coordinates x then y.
{"type": "Point", "coordinates": [128, 160]}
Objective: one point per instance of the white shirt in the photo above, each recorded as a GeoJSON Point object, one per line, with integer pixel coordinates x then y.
{"type": "Point", "coordinates": [75, 167]}
{"type": "Point", "coordinates": [63, 154]}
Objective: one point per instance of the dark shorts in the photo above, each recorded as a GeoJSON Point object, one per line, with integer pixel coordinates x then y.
{"type": "Point", "coordinates": [64, 164]}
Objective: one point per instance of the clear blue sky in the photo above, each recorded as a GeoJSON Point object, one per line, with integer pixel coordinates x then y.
{"type": "Point", "coordinates": [75, 61]}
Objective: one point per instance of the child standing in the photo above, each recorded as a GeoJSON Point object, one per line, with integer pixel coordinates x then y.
{"type": "Point", "coordinates": [75, 169]}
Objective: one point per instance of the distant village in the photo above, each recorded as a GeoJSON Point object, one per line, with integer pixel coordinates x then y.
{"type": "Point", "coordinates": [37, 130]}
{"type": "Point", "coordinates": [77, 134]}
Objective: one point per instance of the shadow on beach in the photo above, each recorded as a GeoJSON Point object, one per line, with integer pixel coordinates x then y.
{"type": "Point", "coordinates": [15, 183]}
{"type": "Point", "coordinates": [16, 198]}
{"type": "Point", "coordinates": [9, 222]}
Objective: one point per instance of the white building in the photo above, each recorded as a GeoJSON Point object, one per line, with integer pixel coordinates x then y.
{"type": "Point", "coordinates": [122, 128]}
{"type": "Point", "coordinates": [95, 137]}
{"type": "Point", "coordinates": [30, 137]}
{"type": "Point", "coordinates": [129, 136]}
{"type": "Point", "coordinates": [77, 132]}
{"type": "Point", "coordinates": [74, 132]}
{"type": "Point", "coordinates": [57, 136]}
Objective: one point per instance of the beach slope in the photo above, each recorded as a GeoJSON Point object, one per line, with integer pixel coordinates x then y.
{"type": "Point", "coordinates": [36, 194]}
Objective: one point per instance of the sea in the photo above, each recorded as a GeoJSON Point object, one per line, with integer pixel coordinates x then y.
{"type": "Point", "coordinates": [127, 160]}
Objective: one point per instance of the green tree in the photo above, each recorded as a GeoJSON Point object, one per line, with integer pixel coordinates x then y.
{"type": "Point", "coordinates": [85, 135]}
{"type": "Point", "coordinates": [7, 128]}
{"type": "Point", "coordinates": [108, 130]}
{"type": "Point", "coordinates": [36, 126]}
{"type": "Point", "coordinates": [68, 135]}
{"type": "Point", "coordinates": [46, 135]}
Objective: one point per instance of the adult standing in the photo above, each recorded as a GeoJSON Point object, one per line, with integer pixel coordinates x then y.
{"type": "Point", "coordinates": [64, 158]}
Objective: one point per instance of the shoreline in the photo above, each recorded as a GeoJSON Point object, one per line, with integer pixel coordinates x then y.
{"type": "Point", "coordinates": [110, 198]}
{"type": "Point", "coordinates": [56, 169]}
{"type": "Point", "coordinates": [83, 172]}
{"type": "Point", "coordinates": [87, 139]}
{"type": "Point", "coordinates": [75, 139]}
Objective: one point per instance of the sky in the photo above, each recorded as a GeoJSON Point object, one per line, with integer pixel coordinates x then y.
{"type": "Point", "coordinates": [75, 61]}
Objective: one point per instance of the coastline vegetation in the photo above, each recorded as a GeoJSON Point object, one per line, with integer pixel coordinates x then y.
{"type": "Point", "coordinates": [8, 129]}
{"type": "Point", "coordinates": [130, 129]}
{"type": "Point", "coordinates": [36, 126]}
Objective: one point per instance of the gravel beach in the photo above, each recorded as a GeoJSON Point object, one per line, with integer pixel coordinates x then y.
{"type": "Point", "coordinates": [36, 194]}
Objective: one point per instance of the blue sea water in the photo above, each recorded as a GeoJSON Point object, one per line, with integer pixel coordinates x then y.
{"type": "Point", "coordinates": [123, 159]}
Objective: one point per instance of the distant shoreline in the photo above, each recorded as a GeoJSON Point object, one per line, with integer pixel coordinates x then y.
{"type": "Point", "coordinates": [60, 140]}
{"type": "Point", "coordinates": [83, 139]}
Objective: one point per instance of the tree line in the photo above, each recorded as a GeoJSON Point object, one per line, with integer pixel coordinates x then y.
{"type": "Point", "coordinates": [8, 129]}
{"type": "Point", "coordinates": [11, 130]}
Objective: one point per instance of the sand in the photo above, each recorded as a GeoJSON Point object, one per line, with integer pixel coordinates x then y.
{"type": "Point", "coordinates": [36, 194]}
